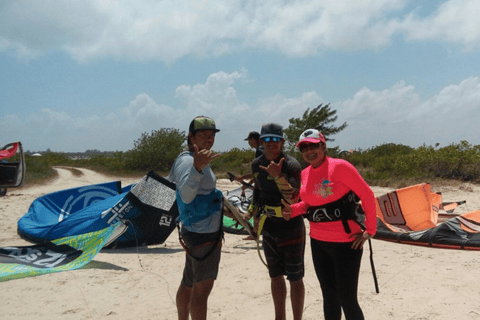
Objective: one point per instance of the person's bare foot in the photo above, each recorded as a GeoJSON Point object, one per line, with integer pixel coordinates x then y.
{"type": "Point", "coordinates": [250, 238]}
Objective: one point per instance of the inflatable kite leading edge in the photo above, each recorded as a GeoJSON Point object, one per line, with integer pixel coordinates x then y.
{"type": "Point", "coordinates": [412, 216]}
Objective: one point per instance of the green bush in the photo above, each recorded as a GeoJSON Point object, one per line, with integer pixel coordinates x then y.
{"type": "Point", "coordinates": [38, 169]}
{"type": "Point", "coordinates": [56, 159]}
{"type": "Point", "coordinates": [154, 151]}
{"type": "Point", "coordinates": [237, 161]}
{"type": "Point", "coordinates": [390, 162]}
{"type": "Point", "coordinates": [456, 161]}
{"type": "Point", "coordinates": [114, 162]}
{"type": "Point", "coordinates": [385, 165]}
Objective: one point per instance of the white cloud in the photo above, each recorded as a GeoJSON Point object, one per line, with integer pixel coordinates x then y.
{"type": "Point", "coordinates": [33, 28]}
{"type": "Point", "coordinates": [399, 103]}
{"type": "Point", "coordinates": [395, 114]}
{"type": "Point", "coordinates": [214, 95]}
{"type": "Point", "coordinates": [216, 98]}
{"type": "Point", "coordinates": [455, 21]}
{"type": "Point", "coordinates": [304, 28]}
{"type": "Point", "coordinates": [143, 108]}
{"type": "Point", "coordinates": [170, 30]}
{"type": "Point", "coordinates": [280, 109]}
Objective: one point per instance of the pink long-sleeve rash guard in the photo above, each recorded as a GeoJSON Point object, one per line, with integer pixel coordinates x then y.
{"type": "Point", "coordinates": [328, 183]}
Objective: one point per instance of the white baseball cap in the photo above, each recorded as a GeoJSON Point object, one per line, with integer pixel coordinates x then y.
{"type": "Point", "coordinates": [311, 136]}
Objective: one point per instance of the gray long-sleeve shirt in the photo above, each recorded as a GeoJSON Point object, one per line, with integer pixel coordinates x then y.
{"type": "Point", "coordinates": [190, 183]}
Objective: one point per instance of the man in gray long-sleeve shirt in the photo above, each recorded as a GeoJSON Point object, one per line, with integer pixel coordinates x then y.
{"type": "Point", "coordinates": [200, 213]}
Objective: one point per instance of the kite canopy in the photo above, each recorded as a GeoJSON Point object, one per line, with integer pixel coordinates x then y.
{"type": "Point", "coordinates": [9, 150]}
{"type": "Point", "coordinates": [146, 212]}
{"type": "Point", "coordinates": [411, 216]}
{"type": "Point", "coordinates": [409, 208]}
{"type": "Point", "coordinates": [12, 174]}
{"type": "Point", "coordinates": [63, 254]}
{"type": "Point", "coordinates": [69, 212]}
{"type": "Point", "coordinates": [71, 226]}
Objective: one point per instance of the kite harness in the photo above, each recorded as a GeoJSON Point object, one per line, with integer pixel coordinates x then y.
{"type": "Point", "coordinates": [201, 238]}
{"type": "Point", "coordinates": [344, 209]}
{"type": "Point", "coordinates": [265, 212]}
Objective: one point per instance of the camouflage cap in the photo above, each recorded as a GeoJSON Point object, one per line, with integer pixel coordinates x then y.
{"type": "Point", "coordinates": [202, 123]}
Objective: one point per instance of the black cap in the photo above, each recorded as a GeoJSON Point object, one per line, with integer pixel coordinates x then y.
{"type": "Point", "coordinates": [202, 123]}
{"type": "Point", "coordinates": [253, 135]}
{"type": "Point", "coordinates": [272, 130]}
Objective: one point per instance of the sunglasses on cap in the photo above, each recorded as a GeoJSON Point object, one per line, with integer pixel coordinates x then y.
{"type": "Point", "coordinates": [304, 147]}
{"type": "Point", "coordinates": [268, 139]}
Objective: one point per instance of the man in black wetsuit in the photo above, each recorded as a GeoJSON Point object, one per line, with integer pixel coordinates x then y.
{"type": "Point", "coordinates": [277, 177]}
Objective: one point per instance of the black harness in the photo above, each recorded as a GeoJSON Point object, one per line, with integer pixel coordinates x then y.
{"type": "Point", "coordinates": [341, 210]}
{"type": "Point", "coordinates": [344, 209]}
{"type": "Point", "coordinates": [198, 237]}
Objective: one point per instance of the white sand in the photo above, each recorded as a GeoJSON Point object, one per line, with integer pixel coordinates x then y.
{"type": "Point", "coordinates": [141, 283]}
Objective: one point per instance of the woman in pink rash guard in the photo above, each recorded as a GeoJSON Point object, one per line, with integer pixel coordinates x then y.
{"type": "Point", "coordinates": [327, 197]}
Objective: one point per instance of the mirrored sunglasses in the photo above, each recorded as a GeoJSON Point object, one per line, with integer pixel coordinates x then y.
{"type": "Point", "coordinates": [268, 139]}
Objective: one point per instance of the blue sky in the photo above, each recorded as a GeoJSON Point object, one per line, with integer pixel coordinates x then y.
{"type": "Point", "coordinates": [96, 74]}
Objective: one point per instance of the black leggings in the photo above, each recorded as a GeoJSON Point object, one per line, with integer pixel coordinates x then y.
{"type": "Point", "coordinates": [337, 267]}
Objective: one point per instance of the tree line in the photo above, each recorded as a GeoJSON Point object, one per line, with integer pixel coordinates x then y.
{"type": "Point", "coordinates": [386, 164]}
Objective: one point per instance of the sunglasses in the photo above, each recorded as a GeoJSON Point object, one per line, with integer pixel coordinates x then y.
{"type": "Point", "coordinates": [304, 147]}
{"type": "Point", "coordinates": [274, 139]}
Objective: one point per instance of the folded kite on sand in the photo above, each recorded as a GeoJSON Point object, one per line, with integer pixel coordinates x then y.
{"type": "Point", "coordinates": [146, 211]}
{"type": "Point", "coordinates": [69, 227]}
{"type": "Point", "coordinates": [413, 215]}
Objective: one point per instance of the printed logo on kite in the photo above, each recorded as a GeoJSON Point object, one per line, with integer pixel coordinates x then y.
{"type": "Point", "coordinates": [85, 197]}
{"type": "Point", "coordinates": [117, 212]}
{"type": "Point", "coordinates": [45, 256]}
{"type": "Point", "coordinates": [165, 220]}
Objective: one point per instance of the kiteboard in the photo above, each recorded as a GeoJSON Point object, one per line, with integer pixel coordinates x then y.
{"type": "Point", "coordinates": [239, 217]}
{"type": "Point", "coordinates": [241, 201]}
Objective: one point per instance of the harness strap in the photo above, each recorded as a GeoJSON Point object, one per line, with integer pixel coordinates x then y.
{"type": "Point", "coordinates": [265, 212]}
{"type": "Point", "coordinates": [341, 210]}
{"type": "Point", "coordinates": [205, 244]}
{"type": "Point", "coordinates": [258, 250]}
{"type": "Point", "coordinates": [219, 239]}
{"type": "Point", "coordinates": [372, 265]}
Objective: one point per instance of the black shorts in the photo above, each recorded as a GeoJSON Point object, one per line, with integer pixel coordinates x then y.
{"type": "Point", "coordinates": [284, 247]}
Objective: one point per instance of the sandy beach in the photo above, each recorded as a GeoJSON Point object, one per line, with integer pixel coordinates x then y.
{"type": "Point", "coordinates": [141, 283]}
